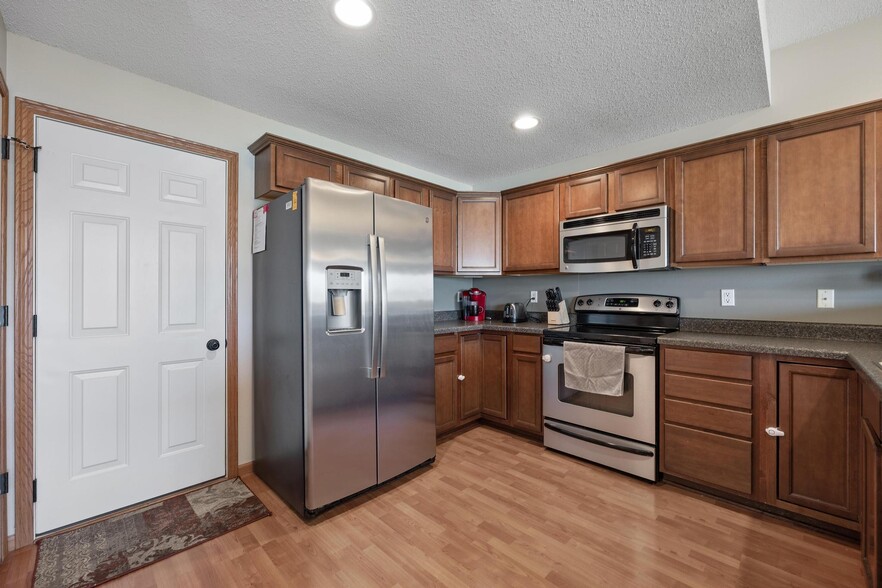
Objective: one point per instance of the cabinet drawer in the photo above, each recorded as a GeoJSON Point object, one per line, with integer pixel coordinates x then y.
{"type": "Point", "coordinates": [710, 363]}
{"type": "Point", "coordinates": [712, 418]}
{"type": "Point", "coordinates": [731, 394]}
{"type": "Point", "coordinates": [714, 459]}
{"type": "Point", "coordinates": [526, 344]}
{"type": "Point", "coordinates": [445, 343]}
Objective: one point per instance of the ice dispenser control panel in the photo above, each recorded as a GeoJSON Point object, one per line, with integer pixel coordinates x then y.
{"type": "Point", "coordinates": [344, 299]}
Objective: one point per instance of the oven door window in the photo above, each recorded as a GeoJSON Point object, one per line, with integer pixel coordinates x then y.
{"type": "Point", "coordinates": [621, 405]}
{"type": "Point", "coordinates": [598, 247]}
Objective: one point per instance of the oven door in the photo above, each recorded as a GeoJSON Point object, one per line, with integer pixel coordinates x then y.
{"type": "Point", "coordinates": [631, 416]}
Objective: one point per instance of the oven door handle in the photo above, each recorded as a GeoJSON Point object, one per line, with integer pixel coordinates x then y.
{"type": "Point", "coordinates": [634, 235]}
{"type": "Point", "coordinates": [600, 442]}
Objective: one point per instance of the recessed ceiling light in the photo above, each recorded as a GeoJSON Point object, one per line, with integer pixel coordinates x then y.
{"type": "Point", "coordinates": [525, 122]}
{"type": "Point", "coordinates": [354, 13]}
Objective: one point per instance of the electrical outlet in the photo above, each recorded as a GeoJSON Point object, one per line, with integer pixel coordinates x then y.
{"type": "Point", "coordinates": [825, 298]}
{"type": "Point", "coordinates": [534, 296]}
{"type": "Point", "coordinates": [727, 297]}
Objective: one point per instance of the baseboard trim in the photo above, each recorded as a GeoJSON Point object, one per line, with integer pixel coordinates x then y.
{"type": "Point", "coordinates": [246, 468]}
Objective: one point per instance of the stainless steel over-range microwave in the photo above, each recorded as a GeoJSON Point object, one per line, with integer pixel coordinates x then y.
{"type": "Point", "coordinates": [618, 242]}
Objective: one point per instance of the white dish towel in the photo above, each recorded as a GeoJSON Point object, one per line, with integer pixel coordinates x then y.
{"type": "Point", "coordinates": [597, 369]}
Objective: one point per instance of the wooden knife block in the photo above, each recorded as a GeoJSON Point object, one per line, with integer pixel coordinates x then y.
{"type": "Point", "coordinates": [559, 317]}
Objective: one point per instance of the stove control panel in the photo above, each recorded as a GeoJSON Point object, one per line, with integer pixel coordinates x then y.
{"type": "Point", "coordinates": [635, 303]}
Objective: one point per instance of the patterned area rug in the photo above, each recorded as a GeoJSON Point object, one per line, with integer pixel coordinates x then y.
{"type": "Point", "coordinates": [108, 549]}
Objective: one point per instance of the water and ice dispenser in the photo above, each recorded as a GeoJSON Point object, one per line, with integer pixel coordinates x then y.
{"type": "Point", "coordinates": [343, 299]}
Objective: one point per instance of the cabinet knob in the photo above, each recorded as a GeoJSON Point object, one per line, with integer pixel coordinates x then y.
{"type": "Point", "coordinates": [546, 358]}
{"type": "Point", "coordinates": [460, 377]}
{"type": "Point", "coordinates": [774, 432]}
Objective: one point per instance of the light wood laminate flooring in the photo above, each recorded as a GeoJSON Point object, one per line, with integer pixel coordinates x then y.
{"type": "Point", "coordinates": [499, 510]}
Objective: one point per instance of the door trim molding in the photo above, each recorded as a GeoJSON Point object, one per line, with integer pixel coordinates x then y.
{"type": "Point", "coordinates": [26, 112]}
{"type": "Point", "coordinates": [4, 430]}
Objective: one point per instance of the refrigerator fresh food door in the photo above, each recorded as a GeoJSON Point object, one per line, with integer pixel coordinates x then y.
{"type": "Point", "coordinates": [406, 387]}
{"type": "Point", "coordinates": [339, 394]}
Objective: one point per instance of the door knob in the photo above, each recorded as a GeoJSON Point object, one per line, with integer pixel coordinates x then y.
{"type": "Point", "coordinates": [460, 377]}
{"type": "Point", "coordinates": [774, 432]}
{"type": "Point", "coordinates": [213, 344]}
{"type": "Point", "coordinates": [546, 358]}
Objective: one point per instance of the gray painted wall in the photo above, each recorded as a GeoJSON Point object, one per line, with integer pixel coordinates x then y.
{"type": "Point", "coordinates": [787, 293]}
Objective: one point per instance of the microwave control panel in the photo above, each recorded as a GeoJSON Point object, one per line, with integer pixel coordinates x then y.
{"type": "Point", "coordinates": [648, 242]}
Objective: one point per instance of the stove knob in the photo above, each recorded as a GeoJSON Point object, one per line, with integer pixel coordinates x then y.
{"type": "Point", "coordinates": [590, 302]}
{"type": "Point", "coordinates": [657, 303]}
{"type": "Point", "coordinates": [580, 302]}
{"type": "Point", "coordinates": [669, 304]}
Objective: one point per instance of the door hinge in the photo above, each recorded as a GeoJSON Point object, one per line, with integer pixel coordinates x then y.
{"type": "Point", "coordinates": [35, 326]}
{"type": "Point", "coordinates": [6, 148]}
{"type": "Point", "coordinates": [35, 490]}
{"type": "Point", "coordinates": [4, 316]}
{"type": "Point", "coordinates": [4, 483]}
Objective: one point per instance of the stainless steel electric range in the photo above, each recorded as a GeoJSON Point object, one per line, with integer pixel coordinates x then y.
{"type": "Point", "coordinates": [616, 431]}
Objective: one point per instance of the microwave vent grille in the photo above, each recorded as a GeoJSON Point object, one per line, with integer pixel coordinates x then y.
{"type": "Point", "coordinates": [612, 218]}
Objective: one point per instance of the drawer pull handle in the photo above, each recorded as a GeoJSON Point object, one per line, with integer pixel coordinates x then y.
{"type": "Point", "coordinates": [460, 377]}
{"type": "Point", "coordinates": [546, 358]}
{"type": "Point", "coordinates": [774, 432]}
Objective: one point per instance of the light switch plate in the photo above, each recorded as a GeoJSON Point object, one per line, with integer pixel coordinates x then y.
{"type": "Point", "coordinates": [825, 298]}
{"type": "Point", "coordinates": [727, 297]}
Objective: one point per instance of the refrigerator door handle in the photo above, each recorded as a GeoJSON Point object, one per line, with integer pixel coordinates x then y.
{"type": "Point", "coordinates": [384, 298]}
{"type": "Point", "coordinates": [374, 276]}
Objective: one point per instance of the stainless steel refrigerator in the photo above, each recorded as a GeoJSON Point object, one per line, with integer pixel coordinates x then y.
{"type": "Point", "coordinates": [344, 394]}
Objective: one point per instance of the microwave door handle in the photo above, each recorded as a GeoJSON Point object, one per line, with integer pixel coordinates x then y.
{"type": "Point", "coordinates": [634, 235]}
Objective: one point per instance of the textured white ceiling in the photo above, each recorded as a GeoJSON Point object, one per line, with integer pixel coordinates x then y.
{"type": "Point", "coordinates": [436, 84]}
{"type": "Point", "coordinates": [792, 21]}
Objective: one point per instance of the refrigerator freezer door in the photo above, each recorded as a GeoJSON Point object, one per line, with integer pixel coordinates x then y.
{"type": "Point", "coordinates": [339, 395]}
{"type": "Point", "coordinates": [406, 388]}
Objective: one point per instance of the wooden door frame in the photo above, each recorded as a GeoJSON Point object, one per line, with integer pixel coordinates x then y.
{"type": "Point", "coordinates": [4, 115]}
{"type": "Point", "coordinates": [26, 112]}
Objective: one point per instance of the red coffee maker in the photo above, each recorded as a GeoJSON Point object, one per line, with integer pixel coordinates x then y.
{"type": "Point", "coordinates": [474, 305]}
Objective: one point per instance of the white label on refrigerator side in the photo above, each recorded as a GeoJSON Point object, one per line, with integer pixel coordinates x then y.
{"type": "Point", "coordinates": [258, 225]}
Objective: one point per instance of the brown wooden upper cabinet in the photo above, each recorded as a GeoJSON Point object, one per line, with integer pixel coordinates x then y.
{"type": "Point", "coordinates": [443, 231]}
{"type": "Point", "coordinates": [531, 229]}
{"type": "Point", "coordinates": [411, 191]}
{"type": "Point", "coordinates": [479, 233]}
{"type": "Point", "coordinates": [281, 168]}
{"type": "Point", "coordinates": [359, 177]}
{"type": "Point", "coordinates": [584, 196]}
{"type": "Point", "coordinates": [822, 181]}
{"type": "Point", "coordinates": [638, 185]}
{"type": "Point", "coordinates": [715, 203]}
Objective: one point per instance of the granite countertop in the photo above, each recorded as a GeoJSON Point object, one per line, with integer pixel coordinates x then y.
{"type": "Point", "coordinates": [863, 355]}
{"type": "Point", "coordinates": [457, 326]}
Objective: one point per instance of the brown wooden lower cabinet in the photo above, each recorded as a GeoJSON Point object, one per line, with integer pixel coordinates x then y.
{"type": "Point", "coordinates": [498, 377]}
{"type": "Point", "coordinates": [715, 408]}
{"type": "Point", "coordinates": [871, 482]}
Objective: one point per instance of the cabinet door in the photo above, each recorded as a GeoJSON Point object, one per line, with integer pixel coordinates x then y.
{"type": "Point", "coordinates": [446, 386]}
{"type": "Point", "coordinates": [531, 229]}
{"type": "Point", "coordinates": [471, 369]}
{"type": "Point", "coordinates": [479, 234]}
{"type": "Point", "coordinates": [872, 466]}
{"type": "Point", "coordinates": [293, 166]}
{"type": "Point", "coordinates": [412, 192]}
{"type": "Point", "coordinates": [818, 411]}
{"type": "Point", "coordinates": [359, 177]}
{"type": "Point", "coordinates": [584, 197]}
{"type": "Point", "coordinates": [525, 371]}
{"type": "Point", "coordinates": [638, 185]}
{"type": "Point", "coordinates": [715, 203]}
{"type": "Point", "coordinates": [494, 397]}
{"type": "Point", "coordinates": [821, 189]}
{"type": "Point", "coordinates": [444, 231]}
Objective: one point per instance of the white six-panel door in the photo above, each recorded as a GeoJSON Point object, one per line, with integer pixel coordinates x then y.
{"type": "Point", "coordinates": [130, 403]}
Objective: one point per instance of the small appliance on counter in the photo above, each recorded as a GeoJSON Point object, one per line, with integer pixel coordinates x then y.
{"type": "Point", "coordinates": [514, 312]}
{"type": "Point", "coordinates": [474, 305]}
{"type": "Point", "coordinates": [557, 308]}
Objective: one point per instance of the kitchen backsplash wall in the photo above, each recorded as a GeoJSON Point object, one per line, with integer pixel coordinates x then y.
{"type": "Point", "coordinates": [781, 293]}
